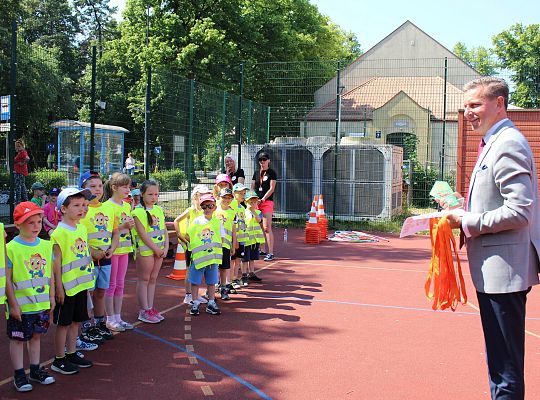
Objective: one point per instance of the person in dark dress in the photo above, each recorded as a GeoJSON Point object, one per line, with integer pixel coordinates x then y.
{"type": "Point", "coordinates": [236, 175]}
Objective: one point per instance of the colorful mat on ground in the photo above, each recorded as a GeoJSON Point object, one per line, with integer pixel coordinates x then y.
{"type": "Point", "coordinates": [353, 236]}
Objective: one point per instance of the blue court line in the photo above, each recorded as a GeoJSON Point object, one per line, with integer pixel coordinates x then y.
{"type": "Point", "coordinates": [206, 361]}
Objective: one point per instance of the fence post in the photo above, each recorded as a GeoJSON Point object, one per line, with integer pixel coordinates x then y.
{"type": "Point", "coordinates": [338, 127]}
{"type": "Point", "coordinates": [191, 173]}
{"type": "Point", "coordinates": [223, 128]}
{"type": "Point", "coordinates": [92, 112]}
{"type": "Point", "coordinates": [268, 125]}
{"type": "Point", "coordinates": [250, 117]}
{"type": "Point", "coordinates": [12, 117]}
{"type": "Point", "coordinates": [240, 106]}
{"type": "Point", "coordinates": [444, 118]}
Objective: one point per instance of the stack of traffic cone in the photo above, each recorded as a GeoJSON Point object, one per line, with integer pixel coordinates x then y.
{"type": "Point", "coordinates": [313, 204]}
{"type": "Point", "coordinates": [180, 267]}
{"type": "Point", "coordinates": [321, 218]}
{"type": "Point", "coordinates": [313, 232]}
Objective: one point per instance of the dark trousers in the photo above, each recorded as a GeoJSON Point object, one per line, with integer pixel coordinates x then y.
{"type": "Point", "coordinates": [503, 322]}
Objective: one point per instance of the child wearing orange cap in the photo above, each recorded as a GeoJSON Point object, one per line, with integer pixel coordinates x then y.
{"type": "Point", "coordinates": [30, 294]}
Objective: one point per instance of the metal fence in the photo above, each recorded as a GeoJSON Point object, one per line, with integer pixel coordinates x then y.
{"type": "Point", "coordinates": [371, 136]}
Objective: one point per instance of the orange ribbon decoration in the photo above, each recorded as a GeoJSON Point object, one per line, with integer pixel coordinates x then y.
{"type": "Point", "coordinates": [448, 283]}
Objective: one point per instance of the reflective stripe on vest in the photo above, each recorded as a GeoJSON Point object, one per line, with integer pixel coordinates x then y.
{"type": "Point", "coordinates": [81, 262]}
{"type": "Point", "coordinates": [153, 235]}
{"type": "Point", "coordinates": [99, 235]}
{"type": "Point", "coordinates": [80, 280]}
{"type": "Point", "coordinates": [35, 299]}
{"type": "Point", "coordinates": [146, 248]}
{"type": "Point", "coordinates": [31, 283]}
{"type": "Point", "coordinates": [207, 246]}
{"type": "Point", "coordinates": [227, 243]}
{"type": "Point", "coordinates": [216, 258]}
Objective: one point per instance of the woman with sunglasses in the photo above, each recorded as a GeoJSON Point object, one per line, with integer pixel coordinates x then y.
{"type": "Point", "coordinates": [264, 184]}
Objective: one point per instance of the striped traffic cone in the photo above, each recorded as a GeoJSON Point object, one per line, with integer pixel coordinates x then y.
{"type": "Point", "coordinates": [312, 231]}
{"type": "Point", "coordinates": [179, 270]}
{"type": "Point", "coordinates": [321, 218]}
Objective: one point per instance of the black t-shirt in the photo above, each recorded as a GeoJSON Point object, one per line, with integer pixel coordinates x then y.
{"type": "Point", "coordinates": [262, 182]}
{"type": "Point", "coordinates": [239, 173]}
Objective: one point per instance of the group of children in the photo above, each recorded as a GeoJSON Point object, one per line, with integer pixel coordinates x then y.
{"type": "Point", "coordinates": [76, 279]}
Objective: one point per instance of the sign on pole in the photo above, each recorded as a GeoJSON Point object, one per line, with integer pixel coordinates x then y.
{"type": "Point", "coordinates": [5, 108]}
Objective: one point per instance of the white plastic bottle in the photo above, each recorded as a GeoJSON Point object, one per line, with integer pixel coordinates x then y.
{"type": "Point", "coordinates": [285, 236]}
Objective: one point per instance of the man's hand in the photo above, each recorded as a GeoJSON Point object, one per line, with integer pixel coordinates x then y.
{"type": "Point", "coordinates": [454, 218]}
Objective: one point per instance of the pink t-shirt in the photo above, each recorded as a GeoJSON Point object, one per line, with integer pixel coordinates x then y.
{"type": "Point", "coordinates": [52, 214]}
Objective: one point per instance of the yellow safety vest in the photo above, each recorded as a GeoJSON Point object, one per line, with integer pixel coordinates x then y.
{"type": "Point", "coordinates": [227, 219]}
{"type": "Point", "coordinates": [121, 212]}
{"type": "Point", "coordinates": [206, 243]}
{"type": "Point", "coordinates": [155, 231]}
{"type": "Point", "coordinates": [77, 265]}
{"type": "Point", "coordinates": [32, 269]}
{"type": "Point", "coordinates": [99, 223]}
{"type": "Point", "coordinates": [241, 227]}
{"type": "Point", "coordinates": [184, 224]}
{"type": "Point", "coordinates": [2, 265]}
{"type": "Point", "coordinates": [255, 232]}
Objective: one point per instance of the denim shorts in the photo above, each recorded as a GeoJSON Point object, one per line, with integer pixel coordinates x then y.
{"type": "Point", "coordinates": [210, 273]}
{"type": "Point", "coordinates": [102, 274]}
{"type": "Point", "coordinates": [30, 324]}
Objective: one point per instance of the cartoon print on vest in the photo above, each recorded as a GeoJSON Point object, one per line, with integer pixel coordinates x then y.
{"type": "Point", "coordinates": [241, 219]}
{"type": "Point", "coordinates": [155, 225]}
{"type": "Point", "coordinates": [100, 222]}
{"type": "Point", "coordinates": [36, 266]}
{"type": "Point", "coordinates": [80, 252]}
{"type": "Point", "coordinates": [125, 236]}
{"type": "Point", "coordinates": [206, 237]}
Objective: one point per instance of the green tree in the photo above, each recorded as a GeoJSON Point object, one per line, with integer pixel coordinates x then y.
{"type": "Point", "coordinates": [518, 48]}
{"type": "Point", "coordinates": [480, 58]}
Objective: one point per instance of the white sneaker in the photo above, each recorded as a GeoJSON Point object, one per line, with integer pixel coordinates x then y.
{"type": "Point", "coordinates": [115, 326]}
{"type": "Point", "coordinates": [82, 345]}
{"type": "Point", "coordinates": [125, 325]}
{"type": "Point", "coordinates": [188, 299]}
{"type": "Point", "coordinates": [202, 300]}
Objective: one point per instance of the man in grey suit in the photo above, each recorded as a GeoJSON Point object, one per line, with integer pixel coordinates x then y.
{"type": "Point", "coordinates": [502, 229]}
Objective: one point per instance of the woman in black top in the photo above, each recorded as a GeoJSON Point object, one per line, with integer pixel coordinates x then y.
{"type": "Point", "coordinates": [236, 175]}
{"type": "Point", "coordinates": [264, 184]}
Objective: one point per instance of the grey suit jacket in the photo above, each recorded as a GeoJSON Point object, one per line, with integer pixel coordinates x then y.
{"type": "Point", "coordinates": [503, 215]}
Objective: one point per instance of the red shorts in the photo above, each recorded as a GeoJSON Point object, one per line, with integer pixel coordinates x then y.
{"type": "Point", "coordinates": [266, 206]}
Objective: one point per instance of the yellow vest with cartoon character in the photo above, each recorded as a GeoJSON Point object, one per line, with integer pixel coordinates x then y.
{"type": "Point", "coordinates": [205, 243]}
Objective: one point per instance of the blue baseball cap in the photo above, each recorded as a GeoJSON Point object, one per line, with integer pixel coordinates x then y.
{"type": "Point", "coordinates": [87, 175]}
{"type": "Point", "coordinates": [136, 192]}
{"type": "Point", "coordinates": [71, 191]}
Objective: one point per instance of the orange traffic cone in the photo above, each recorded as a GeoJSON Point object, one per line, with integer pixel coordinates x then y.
{"type": "Point", "coordinates": [312, 231]}
{"type": "Point", "coordinates": [179, 269]}
{"type": "Point", "coordinates": [321, 218]}
{"type": "Point", "coordinates": [313, 205]}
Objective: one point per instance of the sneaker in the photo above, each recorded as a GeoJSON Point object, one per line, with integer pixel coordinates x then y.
{"type": "Point", "coordinates": [149, 318]}
{"type": "Point", "coordinates": [269, 257]}
{"type": "Point", "coordinates": [64, 366]}
{"type": "Point", "coordinates": [236, 284]}
{"type": "Point", "coordinates": [114, 326]}
{"type": "Point", "coordinates": [188, 299]}
{"type": "Point", "coordinates": [78, 360]}
{"type": "Point", "coordinates": [244, 280]}
{"type": "Point", "coordinates": [202, 299]}
{"type": "Point", "coordinates": [212, 308]}
{"type": "Point", "coordinates": [126, 325]}
{"type": "Point", "coordinates": [21, 383]}
{"type": "Point", "coordinates": [157, 314]}
{"type": "Point", "coordinates": [231, 289]}
{"type": "Point", "coordinates": [194, 309]}
{"type": "Point", "coordinates": [262, 253]}
{"type": "Point", "coordinates": [90, 336]}
{"type": "Point", "coordinates": [224, 294]}
{"type": "Point", "coordinates": [85, 346]}
{"type": "Point", "coordinates": [41, 376]}
{"type": "Point", "coordinates": [105, 332]}
{"type": "Point", "coordinates": [253, 277]}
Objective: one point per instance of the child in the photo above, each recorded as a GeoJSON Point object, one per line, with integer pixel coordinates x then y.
{"type": "Point", "coordinates": [135, 198]}
{"type": "Point", "coordinates": [204, 235]}
{"type": "Point", "coordinates": [239, 192]}
{"type": "Point", "coordinates": [73, 276]}
{"type": "Point", "coordinates": [223, 181]}
{"type": "Point", "coordinates": [227, 216]}
{"type": "Point", "coordinates": [181, 224]}
{"type": "Point", "coordinates": [30, 294]}
{"type": "Point", "coordinates": [256, 234]}
{"type": "Point", "coordinates": [51, 215]}
{"type": "Point", "coordinates": [119, 188]}
{"type": "Point", "coordinates": [39, 196]}
{"type": "Point", "coordinates": [102, 240]}
{"type": "Point", "coordinates": [152, 245]}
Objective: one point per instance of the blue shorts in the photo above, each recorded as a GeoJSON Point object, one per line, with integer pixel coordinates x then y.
{"type": "Point", "coordinates": [102, 274]}
{"type": "Point", "coordinates": [31, 323]}
{"type": "Point", "coordinates": [210, 273]}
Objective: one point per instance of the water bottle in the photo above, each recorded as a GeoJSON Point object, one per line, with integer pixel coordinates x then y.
{"type": "Point", "coordinates": [285, 236]}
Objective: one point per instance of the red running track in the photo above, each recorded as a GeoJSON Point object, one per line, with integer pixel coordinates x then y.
{"type": "Point", "coordinates": [334, 321]}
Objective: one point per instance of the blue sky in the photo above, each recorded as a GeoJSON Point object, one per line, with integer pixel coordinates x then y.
{"type": "Point", "coordinates": [468, 21]}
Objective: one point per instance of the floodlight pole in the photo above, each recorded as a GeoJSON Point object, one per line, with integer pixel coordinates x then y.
{"type": "Point", "coordinates": [92, 112]}
{"type": "Point", "coordinates": [338, 127]}
{"type": "Point", "coordinates": [147, 100]}
{"type": "Point", "coordinates": [240, 106]}
{"type": "Point", "coordinates": [12, 117]}
{"type": "Point", "coordinates": [444, 118]}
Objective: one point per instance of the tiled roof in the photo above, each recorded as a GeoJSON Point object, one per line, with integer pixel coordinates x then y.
{"type": "Point", "coordinates": [359, 103]}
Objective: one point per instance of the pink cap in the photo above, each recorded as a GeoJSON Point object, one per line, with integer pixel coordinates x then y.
{"type": "Point", "coordinates": [223, 178]}
{"type": "Point", "coordinates": [206, 197]}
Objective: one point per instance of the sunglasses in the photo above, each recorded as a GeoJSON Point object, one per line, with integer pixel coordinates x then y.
{"type": "Point", "coordinates": [208, 206]}
{"type": "Point", "coordinates": [263, 159]}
